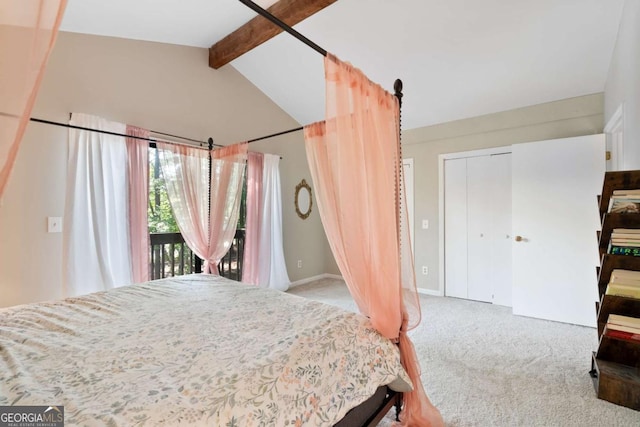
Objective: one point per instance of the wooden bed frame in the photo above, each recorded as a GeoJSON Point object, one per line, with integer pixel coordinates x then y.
{"type": "Point", "coordinates": [373, 410]}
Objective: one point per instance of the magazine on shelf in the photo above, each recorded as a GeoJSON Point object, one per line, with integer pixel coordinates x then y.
{"type": "Point", "coordinates": [622, 204]}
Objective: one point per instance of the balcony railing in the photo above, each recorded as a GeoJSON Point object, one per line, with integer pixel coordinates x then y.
{"type": "Point", "coordinates": [170, 256]}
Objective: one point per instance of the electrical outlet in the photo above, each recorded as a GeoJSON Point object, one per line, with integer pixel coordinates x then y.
{"type": "Point", "coordinates": [299, 263]}
{"type": "Point", "coordinates": [425, 270]}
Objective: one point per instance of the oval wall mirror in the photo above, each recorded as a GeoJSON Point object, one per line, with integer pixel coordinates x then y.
{"type": "Point", "coordinates": [303, 199]}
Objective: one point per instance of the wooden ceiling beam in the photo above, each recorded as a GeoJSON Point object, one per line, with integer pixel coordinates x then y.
{"type": "Point", "coordinates": [259, 29]}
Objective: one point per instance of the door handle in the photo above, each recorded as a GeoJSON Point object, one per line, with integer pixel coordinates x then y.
{"type": "Point", "coordinates": [518, 238]}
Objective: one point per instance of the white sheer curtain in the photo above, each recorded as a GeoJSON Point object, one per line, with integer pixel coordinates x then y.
{"type": "Point", "coordinates": [96, 246]}
{"type": "Point", "coordinates": [186, 174]}
{"type": "Point", "coordinates": [272, 271]}
{"type": "Point", "coordinates": [185, 171]}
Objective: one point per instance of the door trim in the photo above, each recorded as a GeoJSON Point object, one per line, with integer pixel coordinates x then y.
{"type": "Point", "coordinates": [614, 131]}
{"type": "Point", "coordinates": [410, 209]}
{"type": "Point", "coordinates": [441, 159]}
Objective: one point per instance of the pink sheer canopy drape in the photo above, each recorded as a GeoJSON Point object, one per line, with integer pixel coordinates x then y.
{"type": "Point", "coordinates": [138, 183]}
{"type": "Point", "coordinates": [355, 164]}
{"type": "Point", "coordinates": [250, 265]}
{"type": "Point", "coordinates": [207, 230]}
{"type": "Point", "coordinates": [28, 30]}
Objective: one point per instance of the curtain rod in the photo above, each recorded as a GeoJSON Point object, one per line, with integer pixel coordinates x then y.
{"type": "Point", "coordinates": [285, 27]}
{"type": "Point", "coordinates": [151, 140]}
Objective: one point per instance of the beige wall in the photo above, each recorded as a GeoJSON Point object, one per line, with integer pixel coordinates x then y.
{"type": "Point", "coordinates": [623, 82]}
{"type": "Point", "coordinates": [304, 240]}
{"type": "Point", "coordinates": [571, 117]}
{"type": "Point", "coordinates": [157, 86]}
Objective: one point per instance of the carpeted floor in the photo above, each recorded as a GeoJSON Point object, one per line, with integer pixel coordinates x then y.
{"type": "Point", "coordinates": [483, 366]}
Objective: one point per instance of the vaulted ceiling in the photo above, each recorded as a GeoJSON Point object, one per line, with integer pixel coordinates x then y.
{"type": "Point", "coordinates": [457, 58]}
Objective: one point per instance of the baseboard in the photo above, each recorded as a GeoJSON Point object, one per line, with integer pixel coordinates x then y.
{"type": "Point", "coordinates": [429, 292]}
{"type": "Point", "coordinates": [314, 278]}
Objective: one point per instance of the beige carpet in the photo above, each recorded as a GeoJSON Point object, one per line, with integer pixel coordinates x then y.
{"type": "Point", "coordinates": [483, 366]}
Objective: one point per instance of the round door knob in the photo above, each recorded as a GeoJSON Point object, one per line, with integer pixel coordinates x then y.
{"type": "Point", "coordinates": [518, 238]}
{"type": "Point", "coordinates": [481, 235]}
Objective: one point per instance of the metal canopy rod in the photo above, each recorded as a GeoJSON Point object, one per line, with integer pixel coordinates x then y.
{"type": "Point", "coordinates": [177, 136]}
{"type": "Point", "coordinates": [284, 26]}
{"type": "Point", "coordinates": [151, 140]}
{"type": "Point", "coordinates": [284, 132]}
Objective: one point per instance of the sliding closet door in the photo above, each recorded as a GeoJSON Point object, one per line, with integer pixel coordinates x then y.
{"type": "Point", "coordinates": [501, 243]}
{"type": "Point", "coordinates": [455, 227]}
{"type": "Point", "coordinates": [479, 228]}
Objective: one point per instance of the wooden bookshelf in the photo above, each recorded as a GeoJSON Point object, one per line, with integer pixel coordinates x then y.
{"type": "Point", "coordinates": [615, 366]}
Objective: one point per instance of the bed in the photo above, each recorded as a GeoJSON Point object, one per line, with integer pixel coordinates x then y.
{"type": "Point", "coordinates": [197, 350]}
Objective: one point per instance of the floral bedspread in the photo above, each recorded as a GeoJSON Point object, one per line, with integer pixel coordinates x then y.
{"type": "Point", "coordinates": [193, 350]}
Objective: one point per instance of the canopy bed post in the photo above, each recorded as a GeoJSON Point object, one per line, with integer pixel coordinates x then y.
{"type": "Point", "coordinates": [397, 87]}
{"type": "Point", "coordinates": [210, 141]}
{"type": "Point", "coordinates": [198, 261]}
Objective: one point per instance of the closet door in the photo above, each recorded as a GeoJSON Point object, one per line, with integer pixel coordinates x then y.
{"type": "Point", "coordinates": [455, 227]}
{"type": "Point", "coordinates": [501, 242]}
{"type": "Point", "coordinates": [479, 228]}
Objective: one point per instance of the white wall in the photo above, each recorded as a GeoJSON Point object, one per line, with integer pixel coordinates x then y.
{"type": "Point", "coordinates": [157, 86]}
{"type": "Point", "coordinates": [623, 82]}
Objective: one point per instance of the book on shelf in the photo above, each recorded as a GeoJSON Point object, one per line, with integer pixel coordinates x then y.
{"type": "Point", "coordinates": [633, 335]}
{"type": "Point", "coordinates": [620, 274]}
{"type": "Point", "coordinates": [627, 237]}
{"type": "Point", "coordinates": [635, 231]}
{"type": "Point", "coordinates": [624, 204]}
{"type": "Point", "coordinates": [624, 242]}
{"type": "Point", "coordinates": [624, 250]}
{"type": "Point", "coordinates": [626, 192]}
{"type": "Point", "coordinates": [623, 328]}
{"type": "Point", "coordinates": [623, 290]}
{"type": "Point", "coordinates": [624, 281]}
{"type": "Point", "coordinates": [618, 319]}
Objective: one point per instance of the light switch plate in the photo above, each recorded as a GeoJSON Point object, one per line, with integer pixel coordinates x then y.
{"type": "Point", "coordinates": [54, 224]}
{"type": "Point", "coordinates": [425, 224]}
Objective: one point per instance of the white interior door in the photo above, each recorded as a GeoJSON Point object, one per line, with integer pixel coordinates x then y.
{"type": "Point", "coordinates": [501, 229]}
{"type": "Point", "coordinates": [455, 227]}
{"type": "Point", "coordinates": [555, 184]}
